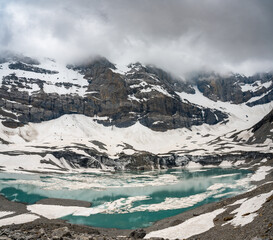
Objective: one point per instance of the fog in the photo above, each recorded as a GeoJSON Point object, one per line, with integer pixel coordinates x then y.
{"type": "Point", "coordinates": [178, 36]}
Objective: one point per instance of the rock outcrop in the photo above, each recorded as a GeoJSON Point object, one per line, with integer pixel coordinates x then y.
{"type": "Point", "coordinates": [236, 88]}
{"type": "Point", "coordinates": [144, 94]}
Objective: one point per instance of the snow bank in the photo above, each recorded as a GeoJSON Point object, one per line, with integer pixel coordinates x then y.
{"type": "Point", "coordinates": [193, 165]}
{"type": "Point", "coordinates": [247, 211]}
{"type": "Point", "coordinates": [5, 213]}
{"type": "Point", "coordinates": [190, 227]}
{"type": "Point", "coordinates": [261, 173]}
{"type": "Point", "coordinates": [19, 219]}
{"type": "Point", "coordinates": [53, 211]}
{"type": "Point", "coordinates": [226, 164]}
{"type": "Point", "coordinates": [240, 201]}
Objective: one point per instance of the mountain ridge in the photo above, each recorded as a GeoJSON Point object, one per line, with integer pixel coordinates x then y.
{"type": "Point", "coordinates": [95, 115]}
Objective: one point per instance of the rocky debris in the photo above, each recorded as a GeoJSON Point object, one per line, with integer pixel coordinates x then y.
{"type": "Point", "coordinates": [228, 218]}
{"type": "Point", "coordinates": [59, 233]}
{"type": "Point", "coordinates": [140, 161]}
{"type": "Point", "coordinates": [49, 232]}
{"type": "Point", "coordinates": [69, 232]}
{"type": "Point", "coordinates": [63, 233]}
{"type": "Point", "coordinates": [138, 234]}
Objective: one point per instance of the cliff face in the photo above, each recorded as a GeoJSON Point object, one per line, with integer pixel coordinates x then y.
{"type": "Point", "coordinates": [236, 88]}
{"type": "Point", "coordinates": [36, 92]}
{"type": "Point", "coordinates": [212, 116]}
{"type": "Point", "coordinates": [144, 94]}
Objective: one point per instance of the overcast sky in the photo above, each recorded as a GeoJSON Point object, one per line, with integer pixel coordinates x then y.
{"type": "Point", "coordinates": [179, 36]}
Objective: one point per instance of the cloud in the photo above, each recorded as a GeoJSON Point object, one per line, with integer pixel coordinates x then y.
{"type": "Point", "coordinates": [180, 36]}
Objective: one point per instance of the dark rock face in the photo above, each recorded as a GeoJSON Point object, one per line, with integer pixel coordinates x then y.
{"type": "Point", "coordinates": [30, 68]}
{"type": "Point", "coordinates": [144, 94]}
{"type": "Point", "coordinates": [229, 88]}
{"type": "Point", "coordinates": [145, 161]}
{"type": "Point", "coordinates": [138, 234]}
{"type": "Point", "coordinates": [265, 99]}
{"type": "Point", "coordinates": [263, 129]}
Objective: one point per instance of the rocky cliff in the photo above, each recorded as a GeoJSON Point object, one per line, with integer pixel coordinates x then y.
{"type": "Point", "coordinates": [117, 118]}
{"type": "Point", "coordinates": [144, 94]}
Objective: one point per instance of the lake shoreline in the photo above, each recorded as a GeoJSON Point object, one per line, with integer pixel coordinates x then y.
{"type": "Point", "coordinates": [255, 228]}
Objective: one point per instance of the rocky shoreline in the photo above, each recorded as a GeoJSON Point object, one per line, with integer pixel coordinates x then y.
{"type": "Point", "coordinates": [259, 228]}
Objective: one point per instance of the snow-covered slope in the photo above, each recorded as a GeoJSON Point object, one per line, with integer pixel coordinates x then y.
{"type": "Point", "coordinates": [39, 119]}
{"type": "Point", "coordinates": [62, 80]}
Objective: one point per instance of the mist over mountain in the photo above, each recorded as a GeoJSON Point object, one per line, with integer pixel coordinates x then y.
{"type": "Point", "coordinates": [136, 119]}
{"type": "Point", "coordinates": [178, 36]}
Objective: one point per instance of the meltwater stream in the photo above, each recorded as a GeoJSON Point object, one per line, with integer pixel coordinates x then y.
{"type": "Point", "coordinates": [128, 200]}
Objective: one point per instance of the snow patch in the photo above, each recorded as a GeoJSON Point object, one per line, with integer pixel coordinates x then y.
{"type": "Point", "coordinates": [190, 227]}
{"type": "Point", "coordinates": [261, 173]}
{"type": "Point", "coordinates": [19, 219]}
{"type": "Point", "coordinates": [5, 213]}
{"type": "Point", "coordinates": [226, 164]}
{"type": "Point", "coordinates": [247, 211]}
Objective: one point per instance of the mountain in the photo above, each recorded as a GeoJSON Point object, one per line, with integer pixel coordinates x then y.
{"type": "Point", "coordinates": [261, 132]}
{"type": "Point", "coordinates": [96, 114]}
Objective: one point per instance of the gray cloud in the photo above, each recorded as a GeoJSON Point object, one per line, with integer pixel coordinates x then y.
{"type": "Point", "coordinates": [180, 36]}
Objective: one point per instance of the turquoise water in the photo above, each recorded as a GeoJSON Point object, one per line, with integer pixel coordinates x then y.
{"type": "Point", "coordinates": [128, 200]}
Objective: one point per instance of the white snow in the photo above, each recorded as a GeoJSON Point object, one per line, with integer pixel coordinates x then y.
{"type": "Point", "coordinates": [53, 211]}
{"type": "Point", "coordinates": [240, 115]}
{"type": "Point", "coordinates": [240, 201]}
{"type": "Point", "coordinates": [64, 75]}
{"type": "Point", "coordinates": [238, 163]}
{"type": "Point", "coordinates": [249, 207]}
{"type": "Point", "coordinates": [190, 227]}
{"type": "Point", "coordinates": [5, 213]}
{"type": "Point", "coordinates": [69, 130]}
{"type": "Point", "coordinates": [193, 165]}
{"type": "Point", "coordinates": [255, 86]}
{"type": "Point", "coordinates": [120, 206]}
{"type": "Point", "coordinates": [156, 88]}
{"type": "Point", "coordinates": [19, 219]}
{"type": "Point", "coordinates": [225, 175]}
{"type": "Point", "coordinates": [216, 186]}
{"type": "Point", "coordinates": [132, 97]}
{"type": "Point", "coordinates": [174, 203]}
{"type": "Point", "coordinates": [29, 162]}
{"type": "Point", "coordinates": [261, 173]}
{"type": "Point", "coordinates": [226, 164]}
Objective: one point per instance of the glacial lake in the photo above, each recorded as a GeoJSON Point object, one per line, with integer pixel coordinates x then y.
{"type": "Point", "coordinates": [128, 200]}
